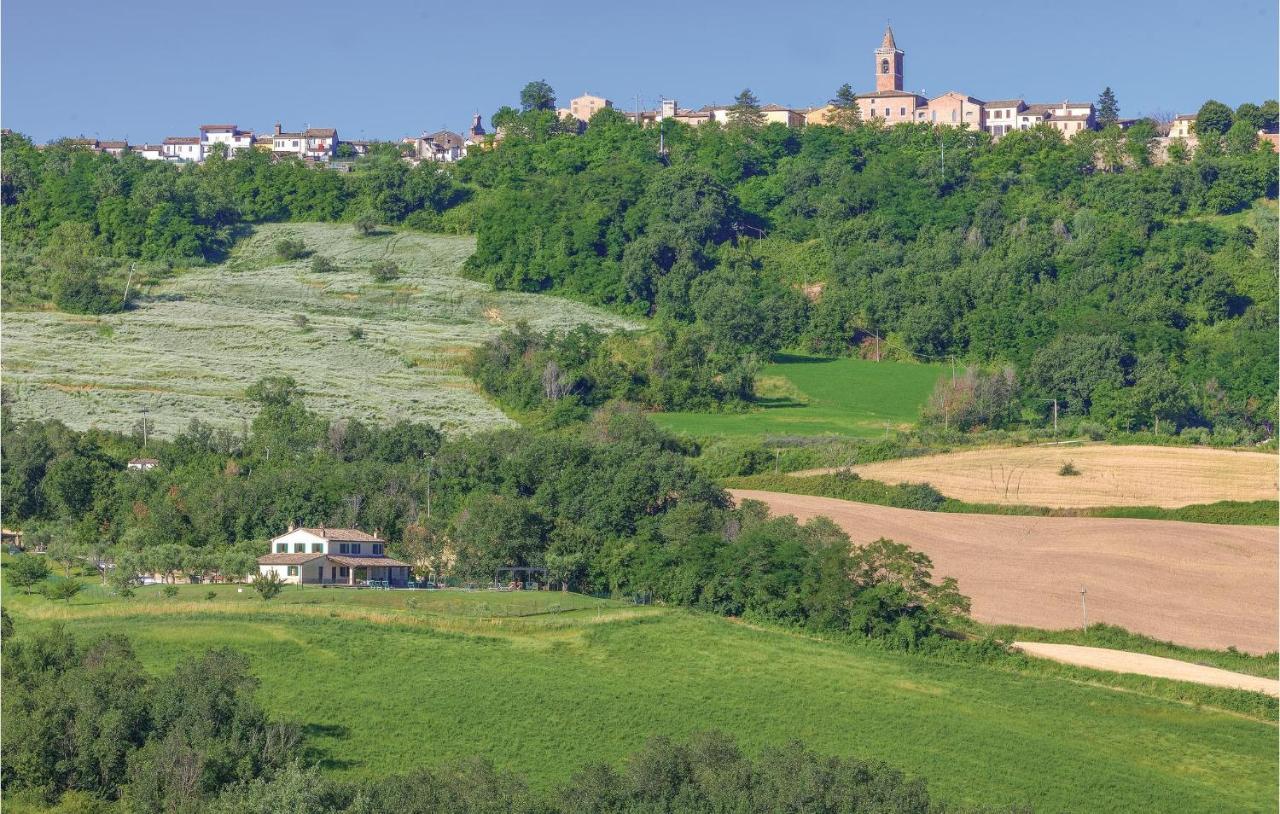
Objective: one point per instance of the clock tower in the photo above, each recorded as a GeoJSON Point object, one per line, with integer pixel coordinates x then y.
{"type": "Point", "coordinates": [888, 63]}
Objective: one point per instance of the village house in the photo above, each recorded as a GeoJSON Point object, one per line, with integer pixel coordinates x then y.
{"type": "Point", "coordinates": [584, 107]}
{"type": "Point", "coordinates": [778, 114]}
{"type": "Point", "coordinates": [235, 139]}
{"type": "Point", "coordinates": [321, 143]}
{"type": "Point", "coordinates": [1183, 126]}
{"type": "Point", "coordinates": [151, 152]}
{"type": "Point", "coordinates": [142, 464]}
{"type": "Point", "coordinates": [1002, 116]}
{"type": "Point", "coordinates": [183, 148]}
{"type": "Point", "coordinates": [115, 148]}
{"type": "Point", "coordinates": [442, 145]}
{"type": "Point", "coordinates": [953, 110]}
{"type": "Point", "coordinates": [325, 556]}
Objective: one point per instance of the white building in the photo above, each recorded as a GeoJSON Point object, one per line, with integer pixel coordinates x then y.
{"type": "Point", "coordinates": [142, 464]}
{"type": "Point", "coordinates": [183, 148]}
{"type": "Point", "coordinates": [442, 145]}
{"type": "Point", "coordinates": [233, 137]}
{"type": "Point", "coordinates": [151, 152]}
{"type": "Point", "coordinates": [325, 556]}
{"type": "Point", "coordinates": [321, 143]}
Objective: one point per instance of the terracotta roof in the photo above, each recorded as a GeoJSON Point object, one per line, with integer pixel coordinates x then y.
{"type": "Point", "coordinates": [364, 562]}
{"type": "Point", "coordinates": [321, 132]}
{"type": "Point", "coordinates": [287, 135]}
{"type": "Point", "coordinates": [230, 127]}
{"type": "Point", "coordinates": [1185, 117]}
{"type": "Point", "coordinates": [115, 145]}
{"type": "Point", "coordinates": [778, 107]}
{"type": "Point", "coordinates": [1006, 103]}
{"type": "Point", "coordinates": [287, 559]}
{"type": "Point", "coordinates": [143, 461]}
{"type": "Point", "coordinates": [1069, 119]}
{"type": "Point", "coordinates": [888, 42]}
{"type": "Point", "coordinates": [347, 535]}
{"type": "Point", "coordinates": [888, 94]}
{"type": "Point", "coordinates": [182, 140]}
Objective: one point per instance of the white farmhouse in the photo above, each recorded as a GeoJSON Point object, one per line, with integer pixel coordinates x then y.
{"type": "Point", "coordinates": [325, 556]}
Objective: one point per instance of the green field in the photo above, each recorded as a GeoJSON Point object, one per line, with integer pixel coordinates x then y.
{"type": "Point", "coordinates": [810, 395]}
{"type": "Point", "coordinates": [194, 342]}
{"type": "Point", "coordinates": [544, 682]}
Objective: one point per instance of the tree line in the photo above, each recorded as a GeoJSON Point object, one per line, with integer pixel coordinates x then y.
{"type": "Point", "coordinates": [609, 505]}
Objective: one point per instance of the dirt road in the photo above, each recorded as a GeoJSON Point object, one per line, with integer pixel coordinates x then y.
{"type": "Point", "coordinates": [1108, 475]}
{"type": "Point", "coordinates": [1120, 661]}
{"type": "Point", "coordinates": [1192, 583]}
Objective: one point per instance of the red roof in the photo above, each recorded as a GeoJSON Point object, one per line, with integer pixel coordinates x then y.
{"type": "Point", "coordinates": [231, 127]}
{"type": "Point", "coordinates": [287, 559]}
{"type": "Point", "coordinates": [342, 535]}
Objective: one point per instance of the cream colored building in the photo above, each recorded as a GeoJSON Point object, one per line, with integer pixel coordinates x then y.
{"type": "Point", "coordinates": [585, 106]}
{"type": "Point", "coordinates": [777, 114]}
{"type": "Point", "coordinates": [1183, 126]}
{"type": "Point", "coordinates": [953, 109]}
{"type": "Point", "coordinates": [325, 556]}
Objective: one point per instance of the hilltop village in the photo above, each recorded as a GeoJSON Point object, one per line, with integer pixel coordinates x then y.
{"type": "Point", "coordinates": [891, 103]}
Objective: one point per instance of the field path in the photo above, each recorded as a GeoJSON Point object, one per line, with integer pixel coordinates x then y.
{"type": "Point", "coordinates": [1132, 475]}
{"type": "Point", "coordinates": [1122, 661]}
{"type": "Point", "coordinates": [1195, 584]}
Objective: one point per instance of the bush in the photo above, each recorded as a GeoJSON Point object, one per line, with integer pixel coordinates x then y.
{"type": "Point", "coordinates": [170, 591]}
{"type": "Point", "coordinates": [81, 293]}
{"type": "Point", "coordinates": [323, 265]}
{"type": "Point", "coordinates": [366, 224]}
{"type": "Point", "coordinates": [385, 271]}
{"type": "Point", "coordinates": [210, 595]}
{"type": "Point", "coordinates": [269, 586]}
{"type": "Point", "coordinates": [356, 332]}
{"type": "Point", "coordinates": [1068, 469]}
{"type": "Point", "coordinates": [290, 249]}
{"type": "Point", "coordinates": [63, 588]}
{"type": "Point", "coordinates": [301, 320]}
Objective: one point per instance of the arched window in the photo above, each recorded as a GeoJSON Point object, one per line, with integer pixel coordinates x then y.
{"type": "Point", "coordinates": [884, 66]}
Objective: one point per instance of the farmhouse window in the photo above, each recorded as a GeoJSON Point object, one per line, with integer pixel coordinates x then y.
{"type": "Point", "coordinates": [317, 548]}
{"type": "Point", "coordinates": [282, 548]}
{"type": "Point", "coordinates": [298, 548]}
{"type": "Point", "coordinates": [343, 548]}
{"type": "Point", "coordinates": [344, 571]}
{"type": "Point", "coordinates": [293, 570]}
{"type": "Point", "coordinates": [377, 549]}
{"type": "Point", "coordinates": [355, 548]}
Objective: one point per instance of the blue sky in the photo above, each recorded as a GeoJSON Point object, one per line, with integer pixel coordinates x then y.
{"type": "Point", "coordinates": [377, 69]}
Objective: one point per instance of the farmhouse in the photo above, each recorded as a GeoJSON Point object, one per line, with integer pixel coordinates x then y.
{"type": "Point", "coordinates": [325, 556]}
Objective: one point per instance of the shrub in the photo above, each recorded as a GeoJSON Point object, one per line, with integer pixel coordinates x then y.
{"type": "Point", "coordinates": [385, 271]}
{"type": "Point", "coordinates": [290, 249]}
{"type": "Point", "coordinates": [268, 586]}
{"type": "Point", "coordinates": [210, 595]}
{"type": "Point", "coordinates": [301, 320]}
{"type": "Point", "coordinates": [366, 224]}
{"type": "Point", "coordinates": [356, 332]}
{"type": "Point", "coordinates": [63, 588]}
{"type": "Point", "coordinates": [323, 265]}
{"type": "Point", "coordinates": [1068, 469]}
{"type": "Point", "coordinates": [170, 591]}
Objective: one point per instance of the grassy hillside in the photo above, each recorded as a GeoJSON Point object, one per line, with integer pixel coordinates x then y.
{"type": "Point", "coordinates": [811, 395]}
{"type": "Point", "coordinates": [193, 343]}
{"type": "Point", "coordinates": [545, 682]}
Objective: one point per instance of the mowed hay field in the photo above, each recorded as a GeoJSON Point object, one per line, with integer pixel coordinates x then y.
{"type": "Point", "coordinates": [382, 685]}
{"type": "Point", "coordinates": [802, 395]}
{"type": "Point", "coordinates": [1195, 584]}
{"type": "Point", "coordinates": [193, 343]}
{"type": "Point", "coordinates": [1168, 477]}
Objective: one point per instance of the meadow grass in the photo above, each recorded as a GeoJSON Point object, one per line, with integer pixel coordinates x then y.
{"type": "Point", "coordinates": [195, 341]}
{"type": "Point", "coordinates": [384, 681]}
{"type": "Point", "coordinates": [801, 395]}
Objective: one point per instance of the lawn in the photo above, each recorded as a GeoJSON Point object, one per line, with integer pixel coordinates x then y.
{"type": "Point", "coordinates": [811, 395]}
{"type": "Point", "coordinates": [377, 351]}
{"type": "Point", "coordinates": [544, 682]}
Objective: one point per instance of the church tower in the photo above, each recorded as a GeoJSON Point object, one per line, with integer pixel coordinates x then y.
{"type": "Point", "coordinates": [888, 63]}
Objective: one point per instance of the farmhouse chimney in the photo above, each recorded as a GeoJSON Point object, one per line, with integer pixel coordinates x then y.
{"type": "Point", "coordinates": [277, 128]}
{"type": "Point", "coordinates": [291, 525]}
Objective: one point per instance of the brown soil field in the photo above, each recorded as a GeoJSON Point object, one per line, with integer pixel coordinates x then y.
{"type": "Point", "coordinates": [1195, 584]}
{"type": "Point", "coordinates": [1122, 661]}
{"type": "Point", "coordinates": [1168, 477]}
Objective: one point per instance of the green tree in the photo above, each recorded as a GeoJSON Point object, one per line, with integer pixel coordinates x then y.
{"type": "Point", "coordinates": [1269, 115]}
{"type": "Point", "coordinates": [1108, 109]}
{"type": "Point", "coordinates": [26, 570]}
{"type": "Point", "coordinates": [745, 110]}
{"type": "Point", "coordinates": [846, 113]}
{"type": "Point", "coordinates": [1214, 117]}
{"type": "Point", "coordinates": [1250, 115]}
{"type": "Point", "coordinates": [537, 96]}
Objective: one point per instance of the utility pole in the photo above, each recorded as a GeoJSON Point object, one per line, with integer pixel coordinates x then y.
{"type": "Point", "coordinates": [877, 336]}
{"type": "Point", "coordinates": [953, 372]}
{"type": "Point", "coordinates": [1084, 609]}
{"type": "Point", "coordinates": [128, 283]}
{"type": "Point", "coordinates": [144, 412]}
{"type": "Point", "coordinates": [1055, 418]}
{"type": "Point", "coordinates": [430, 464]}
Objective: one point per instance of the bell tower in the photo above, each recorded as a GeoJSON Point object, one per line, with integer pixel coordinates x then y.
{"type": "Point", "coordinates": [888, 63]}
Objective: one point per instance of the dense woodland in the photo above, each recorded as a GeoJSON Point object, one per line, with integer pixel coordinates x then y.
{"type": "Point", "coordinates": [1139, 294]}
